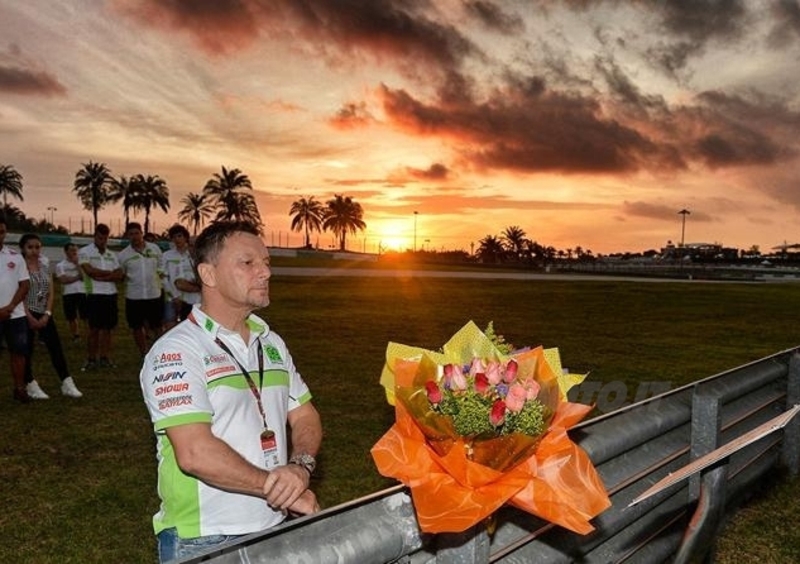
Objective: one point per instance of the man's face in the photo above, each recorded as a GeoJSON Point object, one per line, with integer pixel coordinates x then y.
{"type": "Point", "coordinates": [135, 236]}
{"type": "Point", "coordinates": [179, 240]}
{"type": "Point", "coordinates": [242, 272]}
{"type": "Point", "coordinates": [72, 253]}
{"type": "Point", "coordinates": [100, 241]}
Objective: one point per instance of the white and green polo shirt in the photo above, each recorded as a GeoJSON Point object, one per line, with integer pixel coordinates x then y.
{"type": "Point", "coordinates": [188, 378]}
{"type": "Point", "coordinates": [107, 260]}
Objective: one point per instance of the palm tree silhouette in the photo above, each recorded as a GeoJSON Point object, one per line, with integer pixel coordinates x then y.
{"type": "Point", "coordinates": [125, 189]}
{"type": "Point", "coordinates": [10, 183]}
{"type": "Point", "coordinates": [93, 185]}
{"type": "Point", "coordinates": [514, 237]}
{"type": "Point", "coordinates": [342, 216]}
{"type": "Point", "coordinates": [151, 192]}
{"type": "Point", "coordinates": [196, 210]}
{"type": "Point", "coordinates": [491, 249]}
{"type": "Point", "coordinates": [227, 193]}
{"type": "Point", "coordinates": [308, 214]}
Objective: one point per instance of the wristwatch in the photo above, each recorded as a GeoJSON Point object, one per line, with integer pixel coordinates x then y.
{"type": "Point", "coordinates": [304, 460]}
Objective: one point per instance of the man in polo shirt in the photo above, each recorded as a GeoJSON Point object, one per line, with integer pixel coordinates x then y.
{"type": "Point", "coordinates": [227, 403]}
{"type": "Point", "coordinates": [144, 302]}
{"type": "Point", "coordinates": [14, 284]}
{"type": "Point", "coordinates": [102, 272]}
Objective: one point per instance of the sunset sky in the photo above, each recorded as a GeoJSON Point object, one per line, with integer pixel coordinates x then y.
{"type": "Point", "coordinates": [586, 123]}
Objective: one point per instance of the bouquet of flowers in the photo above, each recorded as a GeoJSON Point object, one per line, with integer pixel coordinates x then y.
{"type": "Point", "coordinates": [479, 425]}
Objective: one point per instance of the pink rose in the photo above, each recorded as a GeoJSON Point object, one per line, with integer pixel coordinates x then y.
{"type": "Point", "coordinates": [447, 372]}
{"type": "Point", "coordinates": [494, 373]}
{"type": "Point", "coordinates": [481, 383]}
{"type": "Point", "coordinates": [476, 366]}
{"type": "Point", "coordinates": [515, 400]}
{"type": "Point", "coordinates": [532, 388]}
{"type": "Point", "coordinates": [459, 381]}
{"type": "Point", "coordinates": [511, 371]}
{"type": "Point", "coordinates": [433, 392]}
{"type": "Point", "coordinates": [498, 414]}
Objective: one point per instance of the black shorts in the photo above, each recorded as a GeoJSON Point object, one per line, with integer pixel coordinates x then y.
{"type": "Point", "coordinates": [102, 311]}
{"type": "Point", "coordinates": [74, 306]}
{"type": "Point", "coordinates": [139, 313]}
{"type": "Point", "coordinates": [15, 334]}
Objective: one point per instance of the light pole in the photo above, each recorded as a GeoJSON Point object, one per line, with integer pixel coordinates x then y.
{"type": "Point", "coordinates": [52, 209]}
{"type": "Point", "coordinates": [416, 213]}
{"type": "Point", "coordinates": [684, 212]}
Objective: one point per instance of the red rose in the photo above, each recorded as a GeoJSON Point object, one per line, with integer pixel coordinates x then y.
{"type": "Point", "coordinates": [498, 415]}
{"type": "Point", "coordinates": [511, 371]}
{"type": "Point", "coordinates": [433, 391]}
{"type": "Point", "coordinates": [481, 383]}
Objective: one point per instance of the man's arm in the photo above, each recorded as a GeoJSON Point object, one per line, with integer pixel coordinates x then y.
{"type": "Point", "coordinates": [306, 427]}
{"type": "Point", "coordinates": [19, 295]}
{"type": "Point", "coordinates": [200, 453]}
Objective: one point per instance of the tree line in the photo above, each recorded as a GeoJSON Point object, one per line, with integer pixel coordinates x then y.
{"type": "Point", "coordinates": [227, 195]}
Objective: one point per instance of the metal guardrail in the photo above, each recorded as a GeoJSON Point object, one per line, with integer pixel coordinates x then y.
{"type": "Point", "coordinates": [632, 448]}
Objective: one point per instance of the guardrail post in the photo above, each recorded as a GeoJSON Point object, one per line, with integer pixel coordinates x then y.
{"type": "Point", "coordinates": [469, 547]}
{"type": "Point", "coordinates": [708, 488]}
{"type": "Point", "coordinates": [791, 433]}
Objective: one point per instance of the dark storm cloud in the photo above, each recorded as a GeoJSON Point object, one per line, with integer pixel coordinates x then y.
{"type": "Point", "coordinates": [493, 17]}
{"type": "Point", "coordinates": [787, 24]}
{"type": "Point", "coordinates": [16, 80]}
{"type": "Point", "coordinates": [531, 130]}
{"type": "Point", "coordinates": [397, 29]}
{"type": "Point", "coordinates": [703, 19]}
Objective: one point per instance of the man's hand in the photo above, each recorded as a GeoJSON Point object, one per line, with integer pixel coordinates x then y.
{"type": "Point", "coordinates": [284, 486]}
{"type": "Point", "coordinates": [306, 504]}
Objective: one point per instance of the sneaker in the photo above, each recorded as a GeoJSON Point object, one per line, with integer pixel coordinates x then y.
{"type": "Point", "coordinates": [69, 389]}
{"type": "Point", "coordinates": [35, 391]}
{"type": "Point", "coordinates": [89, 365]}
{"type": "Point", "coordinates": [21, 395]}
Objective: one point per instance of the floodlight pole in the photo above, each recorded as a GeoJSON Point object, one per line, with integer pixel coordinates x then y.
{"type": "Point", "coordinates": [416, 213]}
{"type": "Point", "coordinates": [684, 212]}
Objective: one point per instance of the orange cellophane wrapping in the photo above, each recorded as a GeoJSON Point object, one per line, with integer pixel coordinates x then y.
{"type": "Point", "coordinates": [549, 476]}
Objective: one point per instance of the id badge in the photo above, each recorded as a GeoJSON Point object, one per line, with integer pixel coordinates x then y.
{"type": "Point", "coordinates": [269, 446]}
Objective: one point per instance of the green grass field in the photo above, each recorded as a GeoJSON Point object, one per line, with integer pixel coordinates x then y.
{"type": "Point", "coordinates": [79, 475]}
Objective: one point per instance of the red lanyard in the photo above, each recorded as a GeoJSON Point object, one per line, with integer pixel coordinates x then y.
{"type": "Point", "coordinates": [252, 385]}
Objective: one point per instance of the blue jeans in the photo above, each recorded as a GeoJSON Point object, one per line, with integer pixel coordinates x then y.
{"type": "Point", "coordinates": [172, 547]}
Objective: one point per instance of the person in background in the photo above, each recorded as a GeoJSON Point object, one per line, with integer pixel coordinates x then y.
{"type": "Point", "coordinates": [38, 311]}
{"type": "Point", "coordinates": [14, 284]}
{"type": "Point", "coordinates": [181, 288]}
{"type": "Point", "coordinates": [144, 302]}
{"type": "Point", "coordinates": [227, 404]}
{"type": "Point", "coordinates": [73, 300]}
{"type": "Point", "coordinates": [102, 272]}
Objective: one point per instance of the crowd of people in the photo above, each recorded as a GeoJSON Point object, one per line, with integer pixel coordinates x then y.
{"type": "Point", "coordinates": [158, 286]}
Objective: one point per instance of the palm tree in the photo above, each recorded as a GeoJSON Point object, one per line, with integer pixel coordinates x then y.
{"type": "Point", "coordinates": [125, 189]}
{"type": "Point", "coordinates": [514, 237]}
{"type": "Point", "coordinates": [93, 184]}
{"type": "Point", "coordinates": [343, 215]}
{"type": "Point", "coordinates": [196, 210]}
{"type": "Point", "coordinates": [226, 192]}
{"type": "Point", "coordinates": [491, 249]}
{"type": "Point", "coordinates": [10, 183]}
{"type": "Point", "coordinates": [308, 214]}
{"type": "Point", "coordinates": [151, 192]}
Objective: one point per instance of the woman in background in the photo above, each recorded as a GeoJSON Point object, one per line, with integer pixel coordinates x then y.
{"type": "Point", "coordinates": [38, 310]}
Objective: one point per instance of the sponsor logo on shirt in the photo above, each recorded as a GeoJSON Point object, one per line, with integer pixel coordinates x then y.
{"type": "Point", "coordinates": [220, 370]}
{"type": "Point", "coordinates": [167, 376]}
{"type": "Point", "coordinates": [169, 403]}
{"type": "Point", "coordinates": [172, 389]}
{"type": "Point", "coordinates": [167, 359]}
{"type": "Point", "coordinates": [215, 358]}
{"type": "Point", "coordinates": [272, 354]}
